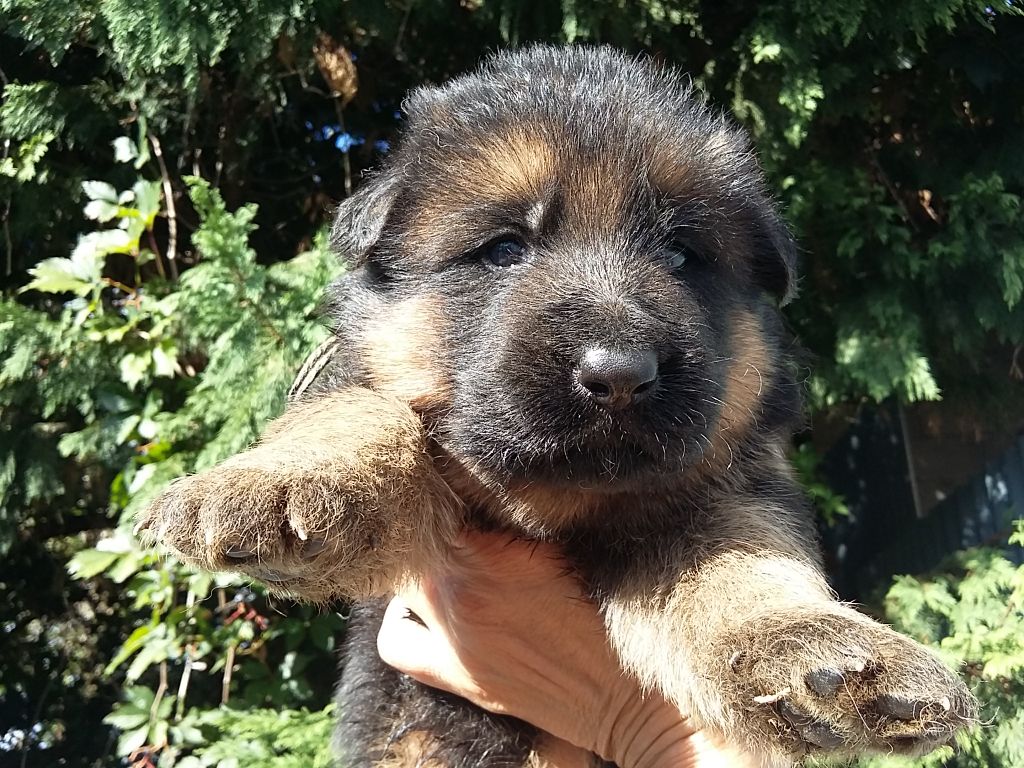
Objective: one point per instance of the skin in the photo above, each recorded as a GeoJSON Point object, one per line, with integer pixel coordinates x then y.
{"type": "Point", "coordinates": [505, 626]}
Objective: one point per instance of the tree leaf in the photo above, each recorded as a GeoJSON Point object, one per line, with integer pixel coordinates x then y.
{"type": "Point", "coordinates": [165, 362]}
{"type": "Point", "coordinates": [147, 200]}
{"type": "Point", "coordinates": [127, 717]}
{"type": "Point", "coordinates": [100, 190]}
{"type": "Point", "coordinates": [124, 149]}
{"type": "Point", "coordinates": [90, 562]}
{"type": "Point", "coordinates": [135, 641]}
{"type": "Point", "coordinates": [101, 210]}
{"type": "Point", "coordinates": [133, 368]}
{"type": "Point", "coordinates": [58, 275]}
{"type": "Point", "coordinates": [97, 244]}
{"type": "Point", "coordinates": [126, 566]}
{"type": "Point", "coordinates": [148, 655]}
{"type": "Point", "coordinates": [132, 740]}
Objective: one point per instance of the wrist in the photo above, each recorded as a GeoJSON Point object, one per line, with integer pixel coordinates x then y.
{"type": "Point", "coordinates": [647, 732]}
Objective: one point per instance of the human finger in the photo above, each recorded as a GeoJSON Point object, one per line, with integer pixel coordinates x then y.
{"type": "Point", "coordinates": [406, 642]}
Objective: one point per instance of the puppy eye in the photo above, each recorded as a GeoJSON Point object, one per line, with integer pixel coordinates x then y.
{"type": "Point", "coordinates": [676, 254]}
{"type": "Point", "coordinates": [504, 253]}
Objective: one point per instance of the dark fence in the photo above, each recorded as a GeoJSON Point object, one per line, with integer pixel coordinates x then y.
{"type": "Point", "coordinates": [978, 514]}
{"type": "Point", "coordinates": [884, 536]}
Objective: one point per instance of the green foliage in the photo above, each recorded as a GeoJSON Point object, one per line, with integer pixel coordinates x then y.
{"type": "Point", "coordinates": [973, 614]}
{"type": "Point", "coordinates": [157, 35]}
{"type": "Point", "coordinates": [126, 380]}
{"type": "Point", "coordinates": [223, 737]}
{"type": "Point", "coordinates": [263, 739]}
{"type": "Point", "coordinates": [829, 505]}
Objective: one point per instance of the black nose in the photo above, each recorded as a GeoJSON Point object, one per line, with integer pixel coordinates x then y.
{"type": "Point", "coordinates": [617, 378]}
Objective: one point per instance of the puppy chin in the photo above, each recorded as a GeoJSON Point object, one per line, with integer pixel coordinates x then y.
{"type": "Point", "coordinates": [600, 463]}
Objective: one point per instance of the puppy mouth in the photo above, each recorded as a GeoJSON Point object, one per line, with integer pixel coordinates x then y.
{"type": "Point", "coordinates": [602, 449]}
{"type": "Point", "coordinates": [631, 440]}
{"type": "Point", "coordinates": [623, 430]}
{"type": "Point", "coordinates": [602, 465]}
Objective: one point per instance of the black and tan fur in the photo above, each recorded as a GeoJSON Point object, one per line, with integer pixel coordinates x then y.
{"type": "Point", "coordinates": [450, 397]}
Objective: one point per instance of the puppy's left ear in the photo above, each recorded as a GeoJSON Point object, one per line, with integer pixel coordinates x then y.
{"type": "Point", "coordinates": [360, 218]}
{"type": "Point", "coordinates": [775, 256]}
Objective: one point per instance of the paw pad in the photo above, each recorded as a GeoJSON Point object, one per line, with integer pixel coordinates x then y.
{"type": "Point", "coordinates": [825, 682]}
{"type": "Point", "coordinates": [811, 730]}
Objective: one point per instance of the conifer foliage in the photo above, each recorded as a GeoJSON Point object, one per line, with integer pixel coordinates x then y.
{"type": "Point", "coordinates": [167, 168]}
{"type": "Point", "coordinates": [973, 612]}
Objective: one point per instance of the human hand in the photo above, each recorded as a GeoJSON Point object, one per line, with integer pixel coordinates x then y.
{"type": "Point", "coordinates": [506, 627]}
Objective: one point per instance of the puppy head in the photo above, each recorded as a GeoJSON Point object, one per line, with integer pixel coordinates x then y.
{"type": "Point", "coordinates": [571, 263]}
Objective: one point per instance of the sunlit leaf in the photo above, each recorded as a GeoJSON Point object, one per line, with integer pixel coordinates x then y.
{"type": "Point", "coordinates": [165, 361]}
{"type": "Point", "coordinates": [127, 718]}
{"type": "Point", "coordinates": [124, 149]}
{"type": "Point", "coordinates": [90, 562]}
{"type": "Point", "coordinates": [133, 368]}
{"type": "Point", "coordinates": [134, 642]}
{"type": "Point", "coordinates": [97, 244]}
{"type": "Point", "coordinates": [147, 200]}
{"type": "Point", "coordinates": [102, 210]}
{"type": "Point", "coordinates": [58, 275]}
{"type": "Point", "coordinates": [132, 740]}
{"type": "Point", "coordinates": [100, 190]}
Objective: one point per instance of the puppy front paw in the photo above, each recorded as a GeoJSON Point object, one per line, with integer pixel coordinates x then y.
{"type": "Point", "coordinates": [340, 501]}
{"type": "Point", "coordinates": [291, 529]}
{"type": "Point", "coordinates": [835, 681]}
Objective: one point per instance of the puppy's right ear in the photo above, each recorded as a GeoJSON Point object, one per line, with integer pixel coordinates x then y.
{"type": "Point", "coordinates": [360, 218]}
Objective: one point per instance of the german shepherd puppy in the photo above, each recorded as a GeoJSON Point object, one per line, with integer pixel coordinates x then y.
{"type": "Point", "coordinates": [560, 319]}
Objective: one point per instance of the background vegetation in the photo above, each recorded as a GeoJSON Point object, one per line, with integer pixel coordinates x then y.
{"type": "Point", "coordinates": [166, 170]}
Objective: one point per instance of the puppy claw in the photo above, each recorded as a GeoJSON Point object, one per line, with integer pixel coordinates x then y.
{"type": "Point", "coordinates": [855, 664]}
{"type": "Point", "coordinates": [904, 708]}
{"type": "Point", "coordinates": [811, 730]}
{"type": "Point", "coordinates": [911, 735]}
{"type": "Point", "coordinates": [299, 528]}
{"type": "Point", "coordinates": [825, 681]}
{"type": "Point", "coordinates": [898, 706]}
{"type": "Point", "coordinates": [238, 553]}
{"type": "Point", "coordinates": [771, 698]}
